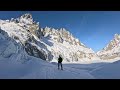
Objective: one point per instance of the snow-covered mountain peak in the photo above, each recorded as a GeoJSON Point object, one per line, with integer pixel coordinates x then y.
{"type": "Point", "coordinates": [112, 50]}
{"type": "Point", "coordinates": [26, 21]}
{"type": "Point", "coordinates": [115, 42]}
{"type": "Point", "coordinates": [117, 37]}
{"type": "Point", "coordinates": [24, 31]}
{"type": "Point", "coordinates": [26, 18]}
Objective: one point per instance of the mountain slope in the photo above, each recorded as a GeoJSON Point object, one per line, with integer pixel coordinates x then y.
{"type": "Point", "coordinates": [112, 50]}
{"type": "Point", "coordinates": [63, 43]}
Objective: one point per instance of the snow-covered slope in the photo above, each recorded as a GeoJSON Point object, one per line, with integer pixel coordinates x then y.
{"type": "Point", "coordinates": [112, 50]}
{"type": "Point", "coordinates": [25, 35]}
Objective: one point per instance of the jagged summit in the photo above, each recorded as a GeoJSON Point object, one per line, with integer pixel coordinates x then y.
{"type": "Point", "coordinates": [61, 35]}
{"type": "Point", "coordinates": [23, 19]}
{"type": "Point", "coordinates": [27, 16]}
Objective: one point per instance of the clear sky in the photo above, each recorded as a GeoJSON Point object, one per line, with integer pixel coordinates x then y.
{"type": "Point", "coordinates": [93, 28]}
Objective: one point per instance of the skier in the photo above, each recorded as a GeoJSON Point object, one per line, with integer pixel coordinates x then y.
{"type": "Point", "coordinates": [60, 59]}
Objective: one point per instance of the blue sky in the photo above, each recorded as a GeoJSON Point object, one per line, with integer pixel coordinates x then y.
{"type": "Point", "coordinates": [93, 28]}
